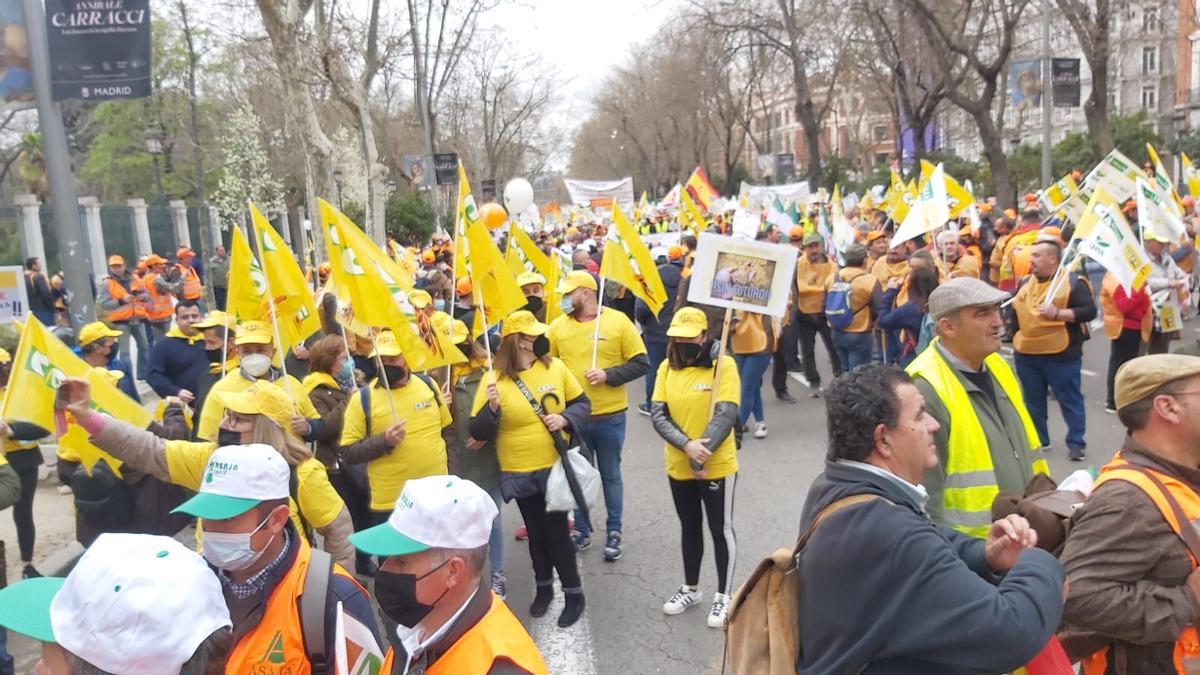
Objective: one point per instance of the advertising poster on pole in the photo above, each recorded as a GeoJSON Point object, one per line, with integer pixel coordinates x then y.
{"type": "Point", "coordinates": [99, 51]}
{"type": "Point", "coordinates": [751, 276]}
{"type": "Point", "coordinates": [14, 303]}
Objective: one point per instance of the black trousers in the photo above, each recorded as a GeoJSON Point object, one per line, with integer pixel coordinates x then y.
{"type": "Point", "coordinates": [809, 326]}
{"type": "Point", "coordinates": [550, 546]}
{"type": "Point", "coordinates": [693, 499]}
{"type": "Point", "coordinates": [25, 463]}
{"type": "Point", "coordinates": [779, 366]}
{"type": "Point", "coordinates": [787, 342]}
{"type": "Point", "coordinates": [1124, 348]}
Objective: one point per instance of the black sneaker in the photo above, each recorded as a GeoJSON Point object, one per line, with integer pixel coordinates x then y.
{"type": "Point", "coordinates": [30, 573]}
{"type": "Point", "coordinates": [499, 585]}
{"type": "Point", "coordinates": [644, 408]}
{"type": "Point", "coordinates": [1075, 454]}
{"type": "Point", "coordinates": [785, 397]}
{"type": "Point", "coordinates": [582, 541]}
{"type": "Point", "coordinates": [612, 547]}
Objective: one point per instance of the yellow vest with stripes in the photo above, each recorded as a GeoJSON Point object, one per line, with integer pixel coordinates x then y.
{"type": "Point", "coordinates": [970, 484]}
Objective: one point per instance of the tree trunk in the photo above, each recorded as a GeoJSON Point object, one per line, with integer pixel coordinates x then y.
{"type": "Point", "coordinates": [993, 150]}
{"type": "Point", "coordinates": [1095, 108]}
{"type": "Point", "coordinates": [809, 123]}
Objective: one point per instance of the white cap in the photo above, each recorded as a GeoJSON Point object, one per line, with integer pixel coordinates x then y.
{"type": "Point", "coordinates": [236, 479]}
{"type": "Point", "coordinates": [432, 512]}
{"type": "Point", "coordinates": [137, 603]}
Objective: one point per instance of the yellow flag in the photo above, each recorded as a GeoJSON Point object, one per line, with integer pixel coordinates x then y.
{"type": "Point", "coordinates": [482, 261]}
{"type": "Point", "coordinates": [41, 363]}
{"type": "Point", "coordinates": [1166, 186]}
{"type": "Point", "coordinates": [1190, 175]}
{"type": "Point", "coordinates": [292, 298]}
{"type": "Point", "coordinates": [957, 196]}
{"type": "Point", "coordinates": [466, 212]}
{"type": "Point", "coordinates": [246, 297]}
{"type": "Point", "coordinates": [560, 267]}
{"type": "Point", "coordinates": [524, 255]}
{"type": "Point", "coordinates": [627, 261]}
{"type": "Point", "coordinates": [689, 210]}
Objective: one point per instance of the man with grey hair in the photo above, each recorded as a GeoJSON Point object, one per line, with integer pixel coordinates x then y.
{"type": "Point", "coordinates": [433, 584]}
{"type": "Point", "coordinates": [986, 441]}
{"type": "Point", "coordinates": [952, 260]}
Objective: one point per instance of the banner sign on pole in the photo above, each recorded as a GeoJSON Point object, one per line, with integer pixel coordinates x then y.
{"type": "Point", "coordinates": [1064, 82]}
{"type": "Point", "coordinates": [1025, 82]}
{"type": "Point", "coordinates": [16, 76]}
{"type": "Point", "coordinates": [761, 196]}
{"type": "Point", "coordinates": [99, 51]}
{"type": "Point", "coordinates": [14, 303]}
{"type": "Point", "coordinates": [445, 165]}
{"type": "Point", "coordinates": [585, 191]}
{"type": "Point", "coordinates": [420, 171]}
{"type": "Point", "coordinates": [752, 276]}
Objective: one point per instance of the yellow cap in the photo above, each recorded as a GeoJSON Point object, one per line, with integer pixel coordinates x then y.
{"type": "Point", "coordinates": [216, 319]}
{"type": "Point", "coordinates": [459, 332]}
{"type": "Point", "coordinates": [688, 322]}
{"type": "Point", "coordinates": [875, 234]}
{"type": "Point", "coordinates": [578, 279]}
{"type": "Point", "coordinates": [441, 322]}
{"type": "Point", "coordinates": [527, 278]}
{"type": "Point", "coordinates": [5, 357]}
{"type": "Point", "coordinates": [253, 333]}
{"type": "Point", "coordinates": [522, 321]}
{"type": "Point", "coordinates": [420, 299]}
{"type": "Point", "coordinates": [261, 398]}
{"type": "Point", "coordinates": [386, 345]}
{"type": "Point", "coordinates": [95, 331]}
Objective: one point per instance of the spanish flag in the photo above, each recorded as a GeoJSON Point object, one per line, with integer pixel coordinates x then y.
{"type": "Point", "coordinates": [700, 188]}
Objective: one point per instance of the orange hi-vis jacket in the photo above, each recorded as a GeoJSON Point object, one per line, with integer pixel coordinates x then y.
{"type": "Point", "coordinates": [1036, 335]}
{"type": "Point", "coordinates": [1157, 486]}
{"type": "Point", "coordinates": [192, 289]}
{"type": "Point", "coordinates": [276, 645]}
{"type": "Point", "coordinates": [116, 291]}
{"type": "Point", "coordinates": [498, 635]}
{"type": "Point", "coordinates": [158, 306]}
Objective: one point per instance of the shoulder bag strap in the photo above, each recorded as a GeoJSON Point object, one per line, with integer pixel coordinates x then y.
{"type": "Point", "coordinates": [829, 511]}
{"type": "Point", "coordinates": [314, 608]}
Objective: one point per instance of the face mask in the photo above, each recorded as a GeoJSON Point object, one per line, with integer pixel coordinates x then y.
{"type": "Point", "coordinates": [214, 355]}
{"type": "Point", "coordinates": [541, 346]}
{"type": "Point", "coordinates": [566, 305]}
{"type": "Point", "coordinates": [534, 304]}
{"type": "Point", "coordinates": [230, 551]}
{"type": "Point", "coordinates": [227, 437]}
{"type": "Point", "coordinates": [688, 351]}
{"type": "Point", "coordinates": [465, 348]}
{"type": "Point", "coordinates": [397, 596]}
{"type": "Point", "coordinates": [395, 375]}
{"type": "Point", "coordinates": [439, 305]}
{"type": "Point", "coordinates": [346, 372]}
{"type": "Point", "coordinates": [256, 365]}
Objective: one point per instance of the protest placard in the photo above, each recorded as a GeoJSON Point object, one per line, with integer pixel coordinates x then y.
{"type": "Point", "coordinates": [752, 276]}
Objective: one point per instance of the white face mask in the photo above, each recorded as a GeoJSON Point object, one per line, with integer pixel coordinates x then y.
{"type": "Point", "coordinates": [231, 551]}
{"type": "Point", "coordinates": [256, 365]}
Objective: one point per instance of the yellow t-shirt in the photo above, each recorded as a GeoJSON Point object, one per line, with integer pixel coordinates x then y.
{"type": "Point", "coordinates": [210, 416]}
{"type": "Point", "coordinates": [523, 443]}
{"type": "Point", "coordinates": [318, 501]}
{"type": "Point", "coordinates": [421, 453]}
{"type": "Point", "coordinates": [571, 341]}
{"type": "Point", "coordinates": [688, 394]}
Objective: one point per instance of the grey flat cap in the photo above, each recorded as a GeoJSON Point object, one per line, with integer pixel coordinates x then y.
{"type": "Point", "coordinates": [855, 254]}
{"type": "Point", "coordinates": [962, 292]}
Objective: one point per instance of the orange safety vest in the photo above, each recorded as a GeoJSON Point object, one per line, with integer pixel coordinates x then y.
{"type": "Point", "coordinates": [116, 291]}
{"type": "Point", "coordinates": [1113, 319]}
{"type": "Point", "coordinates": [192, 290]}
{"type": "Point", "coordinates": [1187, 645]}
{"type": "Point", "coordinates": [1036, 335]}
{"type": "Point", "coordinates": [276, 645]}
{"type": "Point", "coordinates": [498, 635]}
{"type": "Point", "coordinates": [158, 307]}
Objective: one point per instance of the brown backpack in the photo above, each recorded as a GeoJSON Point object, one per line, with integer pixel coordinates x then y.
{"type": "Point", "coordinates": [762, 634]}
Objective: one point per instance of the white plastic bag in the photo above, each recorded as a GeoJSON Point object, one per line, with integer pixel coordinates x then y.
{"type": "Point", "coordinates": [558, 490]}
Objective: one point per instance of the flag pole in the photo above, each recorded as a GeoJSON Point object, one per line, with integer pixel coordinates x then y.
{"type": "Point", "coordinates": [599, 308]}
{"type": "Point", "coordinates": [383, 375]}
{"type": "Point", "coordinates": [487, 343]}
{"type": "Point", "coordinates": [274, 311]}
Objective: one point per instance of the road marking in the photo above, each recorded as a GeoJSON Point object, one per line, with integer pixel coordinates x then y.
{"type": "Point", "coordinates": [1087, 372]}
{"type": "Point", "coordinates": [566, 650]}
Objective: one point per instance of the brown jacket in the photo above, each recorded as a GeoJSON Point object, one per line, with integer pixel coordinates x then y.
{"type": "Point", "coordinates": [1127, 571]}
{"type": "Point", "coordinates": [330, 404]}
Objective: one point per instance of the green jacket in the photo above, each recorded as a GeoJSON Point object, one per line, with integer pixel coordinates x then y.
{"type": "Point", "coordinates": [481, 466]}
{"type": "Point", "coordinates": [1003, 429]}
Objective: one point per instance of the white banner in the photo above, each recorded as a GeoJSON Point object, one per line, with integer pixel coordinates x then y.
{"type": "Point", "coordinates": [759, 196]}
{"type": "Point", "coordinates": [584, 191]}
{"type": "Point", "coordinates": [753, 276]}
{"type": "Point", "coordinates": [13, 301]}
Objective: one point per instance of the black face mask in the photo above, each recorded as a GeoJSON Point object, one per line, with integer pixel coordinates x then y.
{"type": "Point", "coordinates": [534, 303]}
{"type": "Point", "coordinates": [689, 352]}
{"type": "Point", "coordinates": [395, 375]}
{"type": "Point", "coordinates": [465, 348]}
{"type": "Point", "coordinates": [541, 346]}
{"type": "Point", "coordinates": [227, 437]}
{"type": "Point", "coordinates": [397, 596]}
{"type": "Point", "coordinates": [214, 355]}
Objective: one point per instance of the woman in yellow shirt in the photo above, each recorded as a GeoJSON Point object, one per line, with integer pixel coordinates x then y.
{"type": "Point", "coordinates": [526, 448]}
{"type": "Point", "coordinates": [701, 456]}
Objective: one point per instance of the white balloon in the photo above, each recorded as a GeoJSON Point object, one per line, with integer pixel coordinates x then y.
{"type": "Point", "coordinates": [518, 195]}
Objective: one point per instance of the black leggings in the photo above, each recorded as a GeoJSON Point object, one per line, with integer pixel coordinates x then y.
{"type": "Point", "coordinates": [550, 545]}
{"type": "Point", "coordinates": [22, 511]}
{"type": "Point", "coordinates": [716, 498]}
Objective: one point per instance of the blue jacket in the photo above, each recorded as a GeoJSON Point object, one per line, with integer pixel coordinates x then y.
{"type": "Point", "coordinates": [175, 364]}
{"type": "Point", "coordinates": [884, 590]}
{"type": "Point", "coordinates": [655, 329]}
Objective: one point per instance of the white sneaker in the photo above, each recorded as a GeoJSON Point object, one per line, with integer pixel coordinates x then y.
{"type": "Point", "coordinates": [682, 599]}
{"type": "Point", "coordinates": [760, 429]}
{"type": "Point", "coordinates": [716, 613]}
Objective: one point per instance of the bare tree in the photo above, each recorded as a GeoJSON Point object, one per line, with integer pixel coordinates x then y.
{"type": "Point", "coordinates": [1090, 20]}
{"type": "Point", "coordinates": [972, 40]}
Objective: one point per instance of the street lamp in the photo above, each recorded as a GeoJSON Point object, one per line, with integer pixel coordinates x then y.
{"type": "Point", "coordinates": [154, 146]}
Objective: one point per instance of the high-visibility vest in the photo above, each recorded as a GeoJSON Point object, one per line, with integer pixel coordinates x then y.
{"type": "Point", "coordinates": [498, 635]}
{"type": "Point", "coordinates": [1113, 319]}
{"type": "Point", "coordinates": [158, 305]}
{"type": "Point", "coordinates": [276, 645]}
{"type": "Point", "coordinates": [192, 290]}
{"type": "Point", "coordinates": [1187, 645]}
{"type": "Point", "coordinates": [116, 291]}
{"type": "Point", "coordinates": [970, 484]}
{"type": "Point", "coordinates": [1036, 335]}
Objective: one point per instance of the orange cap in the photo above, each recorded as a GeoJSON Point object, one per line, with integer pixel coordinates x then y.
{"type": "Point", "coordinates": [875, 234]}
{"type": "Point", "coordinates": [1030, 198]}
{"type": "Point", "coordinates": [1052, 234]}
{"type": "Point", "coordinates": [1011, 214]}
{"type": "Point", "coordinates": [428, 257]}
{"type": "Point", "coordinates": [155, 259]}
{"type": "Point", "coordinates": [1188, 202]}
{"type": "Point", "coordinates": [674, 252]}
{"type": "Point", "coordinates": [985, 208]}
{"type": "Point", "coordinates": [185, 252]}
{"type": "Point", "coordinates": [463, 286]}
{"type": "Point", "coordinates": [796, 232]}
{"type": "Point", "coordinates": [115, 259]}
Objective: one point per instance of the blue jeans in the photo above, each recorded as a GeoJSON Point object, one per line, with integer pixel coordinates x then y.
{"type": "Point", "coordinates": [750, 370]}
{"type": "Point", "coordinates": [1037, 372]}
{"type": "Point", "coordinates": [853, 349]}
{"type": "Point", "coordinates": [657, 353]}
{"type": "Point", "coordinates": [496, 539]}
{"type": "Point", "coordinates": [6, 661]}
{"type": "Point", "coordinates": [604, 438]}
